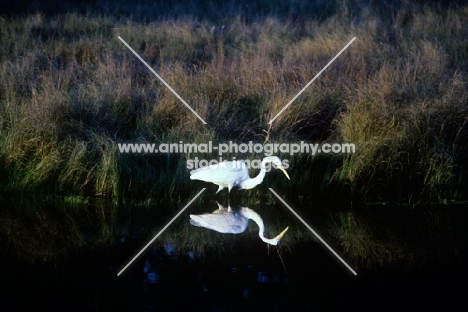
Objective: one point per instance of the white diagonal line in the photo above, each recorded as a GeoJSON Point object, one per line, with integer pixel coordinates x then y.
{"type": "Point", "coordinates": [160, 232]}
{"type": "Point", "coordinates": [165, 83]}
{"type": "Point", "coordinates": [305, 223]}
{"type": "Point", "coordinates": [310, 82]}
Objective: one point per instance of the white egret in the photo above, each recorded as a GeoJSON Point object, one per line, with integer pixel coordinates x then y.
{"type": "Point", "coordinates": [226, 220]}
{"type": "Point", "coordinates": [234, 174]}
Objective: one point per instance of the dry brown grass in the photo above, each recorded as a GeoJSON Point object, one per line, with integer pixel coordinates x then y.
{"type": "Point", "coordinates": [70, 91]}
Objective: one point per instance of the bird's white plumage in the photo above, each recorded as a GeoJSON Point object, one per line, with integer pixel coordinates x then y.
{"type": "Point", "coordinates": [226, 174]}
{"type": "Point", "coordinates": [226, 222]}
{"type": "Point", "coordinates": [229, 174]}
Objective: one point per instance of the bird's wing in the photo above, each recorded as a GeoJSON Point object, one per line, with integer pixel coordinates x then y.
{"type": "Point", "coordinates": [221, 222]}
{"type": "Point", "coordinates": [226, 173]}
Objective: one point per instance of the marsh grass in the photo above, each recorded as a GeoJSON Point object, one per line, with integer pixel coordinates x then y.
{"type": "Point", "coordinates": [70, 92]}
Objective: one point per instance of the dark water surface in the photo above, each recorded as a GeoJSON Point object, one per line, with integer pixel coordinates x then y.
{"type": "Point", "coordinates": [245, 276]}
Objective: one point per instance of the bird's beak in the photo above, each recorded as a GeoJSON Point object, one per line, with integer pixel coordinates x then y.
{"type": "Point", "coordinates": [284, 171]}
{"type": "Point", "coordinates": [280, 235]}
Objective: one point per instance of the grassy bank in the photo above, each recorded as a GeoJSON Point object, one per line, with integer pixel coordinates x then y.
{"type": "Point", "coordinates": [70, 91]}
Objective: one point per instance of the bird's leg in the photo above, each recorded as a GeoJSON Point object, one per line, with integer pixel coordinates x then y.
{"type": "Point", "coordinates": [220, 188]}
{"type": "Point", "coordinates": [235, 196]}
{"type": "Point", "coordinates": [233, 199]}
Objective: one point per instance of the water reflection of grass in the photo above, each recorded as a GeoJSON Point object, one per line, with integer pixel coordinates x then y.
{"type": "Point", "coordinates": [365, 246]}
{"type": "Point", "coordinates": [368, 236]}
{"type": "Point", "coordinates": [56, 230]}
{"type": "Point", "coordinates": [376, 236]}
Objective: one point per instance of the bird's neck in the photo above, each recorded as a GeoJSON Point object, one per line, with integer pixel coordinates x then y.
{"type": "Point", "coordinates": [252, 215]}
{"type": "Point", "coordinates": [253, 182]}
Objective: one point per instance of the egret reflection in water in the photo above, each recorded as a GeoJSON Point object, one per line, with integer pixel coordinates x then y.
{"type": "Point", "coordinates": [235, 221]}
